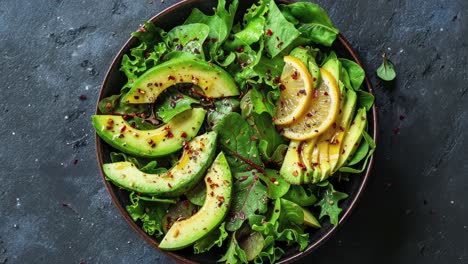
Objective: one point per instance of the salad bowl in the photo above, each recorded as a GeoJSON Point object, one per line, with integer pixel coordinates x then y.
{"type": "Point", "coordinates": [114, 79]}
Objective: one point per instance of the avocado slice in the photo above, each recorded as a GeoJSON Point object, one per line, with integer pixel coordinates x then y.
{"type": "Point", "coordinates": [293, 170]}
{"type": "Point", "coordinates": [185, 232]}
{"type": "Point", "coordinates": [309, 219]}
{"type": "Point", "coordinates": [149, 143]}
{"type": "Point", "coordinates": [333, 66]}
{"type": "Point", "coordinates": [306, 155]}
{"type": "Point", "coordinates": [346, 116]}
{"type": "Point", "coordinates": [353, 137]}
{"type": "Point", "coordinates": [213, 81]}
{"type": "Point", "coordinates": [196, 158]}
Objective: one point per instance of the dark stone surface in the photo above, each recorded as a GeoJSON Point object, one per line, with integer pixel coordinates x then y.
{"type": "Point", "coordinates": [54, 207]}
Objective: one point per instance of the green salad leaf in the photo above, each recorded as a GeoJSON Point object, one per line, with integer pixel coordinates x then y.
{"type": "Point", "coordinates": [188, 39]}
{"type": "Point", "coordinates": [277, 186]}
{"type": "Point", "coordinates": [114, 105]}
{"type": "Point", "coordinates": [215, 237]}
{"type": "Point", "coordinates": [221, 109]}
{"type": "Point", "coordinates": [359, 155]}
{"type": "Point", "coordinates": [386, 71]}
{"type": "Point", "coordinates": [301, 195]}
{"type": "Point", "coordinates": [147, 167]}
{"type": "Point", "coordinates": [329, 203]}
{"type": "Point", "coordinates": [365, 99]}
{"type": "Point", "coordinates": [150, 215]}
{"type": "Point", "coordinates": [355, 73]}
{"type": "Point", "coordinates": [234, 253]}
{"type": "Point", "coordinates": [249, 197]}
{"type": "Point", "coordinates": [173, 104]}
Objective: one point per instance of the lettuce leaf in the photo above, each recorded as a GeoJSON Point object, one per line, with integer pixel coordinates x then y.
{"type": "Point", "coordinates": [173, 104]}
{"type": "Point", "coordinates": [329, 203]}
{"type": "Point", "coordinates": [213, 238]}
{"type": "Point", "coordinates": [150, 214]}
{"type": "Point", "coordinates": [234, 253]}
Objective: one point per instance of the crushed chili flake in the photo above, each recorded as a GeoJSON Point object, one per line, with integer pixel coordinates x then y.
{"type": "Point", "coordinates": [269, 32]}
{"type": "Point", "coordinates": [186, 203]}
{"type": "Point", "coordinates": [196, 51]}
{"type": "Point", "coordinates": [136, 97]}
{"type": "Point", "coordinates": [314, 79]}
{"type": "Point", "coordinates": [302, 91]}
{"type": "Point", "coordinates": [242, 178]}
{"type": "Point", "coordinates": [123, 129]}
{"type": "Point", "coordinates": [273, 119]}
{"type": "Point", "coordinates": [183, 135]}
{"type": "Point", "coordinates": [75, 162]}
{"type": "Point", "coordinates": [240, 49]}
{"type": "Point", "coordinates": [179, 47]}
{"type": "Point", "coordinates": [166, 128]}
{"type": "Point", "coordinates": [396, 130]}
{"type": "Point", "coordinates": [141, 29]}
{"type": "Point", "coordinates": [169, 134]}
{"type": "Point", "coordinates": [272, 179]}
{"type": "Point", "coordinates": [171, 78]}
{"type": "Point", "coordinates": [83, 97]}
{"type": "Point", "coordinates": [147, 54]}
{"type": "Point", "coordinates": [282, 87]}
{"type": "Point", "coordinates": [214, 40]}
{"type": "Point", "coordinates": [277, 38]}
{"type": "Point", "coordinates": [175, 39]}
{"type": "Point", "coordinates": [108, 105]}
{"type": "Point", "coordinates": [315, 93]}
{"type": "Point", "coordinates": [295, 75]}
{"type": "Point", "coordinates": [254, 138]}
{"type": "Point", "coordinates": [277, 80]}
{"type": "Point", "coordinates": [309, 114]}
{"type": "Point", "coordinates": [402, 117]}
{"type": "Point", "coordinates": [325, 93]}
{"type": "Point", "coordinates": [280, 44]}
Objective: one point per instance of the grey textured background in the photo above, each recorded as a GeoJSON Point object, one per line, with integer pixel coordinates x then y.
{"type": "Point", "coordinates": [55, 211]}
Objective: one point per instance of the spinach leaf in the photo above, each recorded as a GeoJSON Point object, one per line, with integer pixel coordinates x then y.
{"type": "Point", "coordinates": [145, 166]}
{"type": "Point", "coordinates": [173, 104]}
{"type": "Point", "coordinates": [355, 72]}
{"type": "Point", "coordinates": [329, 203]}
{"type": "Point", "coordinates": [277, 187]}
{"type": "Point", "coordinates": [222, 108]}
{"type": "Point", "coordinates": [238, 142]}
{"type": "Point", "coordinates": [219, 24]}
{"type": "Point", "coordinates": [256, 102]}
{"type": "Point", "coordinates": [188, 38]}
{"type": "Point", "coordinates": [249, 197]}
{"type": "Point", "coordinates": [275, 159]}
{"type": "Point", "coordinates": [283, 33]}
{"type": "Point", "coordinates": [315, 24]}
{"type": "Point", "coordinates": [141, 124]}
{"type": "Point", "coordinates": [386, 71]}
{"type": "Point", "coordinates": [213, 238]}
{"type": "Point", "coordinates": [269, 70]}
{"type": "Point", "coordinates": [365, 99]}
{"type": "Point", "coordinates": [134, 197]}
{"type": "Point", "coordinates": [234, 253]}
{"type": "Point", "coordinates": [301, 195]}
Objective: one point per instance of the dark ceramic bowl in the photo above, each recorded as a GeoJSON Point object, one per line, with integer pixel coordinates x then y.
{"type": "Point", "coordinates": [114, 80]}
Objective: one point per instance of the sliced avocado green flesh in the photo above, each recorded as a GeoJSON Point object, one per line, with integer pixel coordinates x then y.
{"type": "Point", "coordinates": [307, 149]}
{"type": "Point", "coordinates": [309, 219]}
{"type": "Point", "coordinates": [333, 66]}
{"type": "Point", "coordinates": [185, 232]}
{"type": "Point", "coordinates": [212, 80]}
{"type": "Point", "coordinates": [353, 137]}
{"type": "Point", "coordinates": [149, 143]}
{"type": "Point", "coordinates": [346, 117]}
{"type": "Point", "coordinates": [292, 169]}
{"type": "Point", "coordinates": [196, 158]}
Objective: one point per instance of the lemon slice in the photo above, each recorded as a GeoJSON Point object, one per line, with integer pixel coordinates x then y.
{"type": "Point", "coordinates": [320, 113]}
{"type": "Point", "coordinates": [296, 91]}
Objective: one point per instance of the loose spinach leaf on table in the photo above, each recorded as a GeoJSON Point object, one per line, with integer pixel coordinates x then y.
{"type": "Point", "coordinates": [329, 203]}
{"type": "Point", "coordinates": [315, 25]}
{"type": "Point", "coordinates": [238, 142]}
{"type": "Point", "coordinates": [386, 71]}
{"type": "Point", "coordinates": [249, 197]}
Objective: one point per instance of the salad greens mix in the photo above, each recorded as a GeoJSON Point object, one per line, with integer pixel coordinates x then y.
{"type": "Point", "coordinates": [268, 212]}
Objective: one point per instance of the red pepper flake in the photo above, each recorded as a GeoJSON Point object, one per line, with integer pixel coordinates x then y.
{"type": "Point", "coordinates": [82, 261]}
{"type": "Point", "coordinates": [75, 162]}
{"type": "Point", "coordinates": [282, 87]}
{"type": "Point", "coordinates": [138, 194]}
{"type": "Point", "coordinates": [396, 130]}
{"type": "Point", "coordinates": [108, 105]}
{"type": "Point", "coordinates": [272, 179]}
{"type": "Point", "coordinates": [302, 166]}
{"type": "Point", "coordinates": [179, 47]}
{"type": "Point", "coordinates": [242, 178]}
{"type": "Point", "coordinates": [264, 99]}
{"type": "Point", "coordinates": [183, 135]}
{"type": "Point", "coordinates": [302, 91]}
{"type": "Point", "coordinates": [169, 134]}
{"type": "Point", "coordinates": [186, 203]}
{"type": "Point", "coordinates": [136, 97]}
{"type": "Point", "coordinates": [273, 119]}
{"type": "Point", "coordinates": [248, 169]}
{"type": "Point", "coordinates": [309, 114]}
{"type": "Point", "coordinates": [254, 138]}
{"type": "Point", "coordinates": [295, 75]}
{"type": "Point", "coordinates": [277, 38]}
{"type": "Point", "coordinates": [83, 97]}
{"type": "Point", "coordinates": [147, 54]}
{"type": "Point", "coordinates": [315, 93]}
{"type": "Point", "coordinates": [295, 173]}
{"type": "Point", "coordinates": [314, 79]}
{"type": "Point", "coordinates": [167, 128]}
{"type": "Point", "coordinates": [133, 125]}
{"type": "Point", "coordinates": [175, 39]}
{"type": "Point", "coordinates": [402, 117]}
{"type": "Point", "coordinates": [280, 44]}
{"type": "Point", "coordinates": [269, 32]}
{"type": "Point", "coordinates": [240, 49]}
{"type": "Point", "coordinates": [277, 80]}
{"type": "Point", "coordinates": [325, 93]}
{"type": "Point", "coordinates": [123, 129]}
{"type": "Point", "coordinates": [171, 78]}
{"type": "Point", "coordinates": [170, 185]}
{"type": "Point", "coordinates": [214, 40]}
{"type": "Point", "coordinates": [196, 51]}
{"type": "Point", "coordinates": [141, 29]}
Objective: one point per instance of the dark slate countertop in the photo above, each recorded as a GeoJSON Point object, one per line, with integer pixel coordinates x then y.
{"type": "Point", "coordinates": [54, 207]}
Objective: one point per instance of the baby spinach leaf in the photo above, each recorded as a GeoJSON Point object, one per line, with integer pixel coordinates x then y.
{"type": "Point", "coordinates": [238, 142]}
{"type": "Point", "coordinates": [249, 197]}
{"type": "Point", "coordinates": [213, 238]}
{"type": "Point", "coordinates": [146, 166]}
{"type": "Point", "coordinates": [135, 197]}
{"type": "Point", "coordinates": [270, 70]}
{"type": "Point", "coordinates": [329, 204]}
{"type": "Point", "coordinates": [386, 71]}
{"type": "Point", "coordinates": [256, 102]}
{"type": "Point", "coordinates": [355, 72]}
{"type": "Point", "coordinates": [300, 195]}
{"type": "Point", "coordinates": [360, 153]}
{"type": "Point", "coordinates": [277, 187]}
{"type": "Point", "coordinates": [275, 159]}
{"type": "Point", "coordinates": [315, 24]}
{"type": "Point", "coordinates": [141, 124]}
{"type": "Point", "coordinates": [234, 253]}
{"type": "Point", "coordinates": [283, 33]}
{"type": "Point", "coordinates": [174, 104]}
{"type": "Point", "coordinates": [222, 108]}
{"type": "Point", "coordinates": [188, 38]}
{"type": "Point", "coordinates": [365, 99]}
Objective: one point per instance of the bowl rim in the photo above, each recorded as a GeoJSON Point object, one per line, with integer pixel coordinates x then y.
{"type": "Point", "coordinates": [296, 256]}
